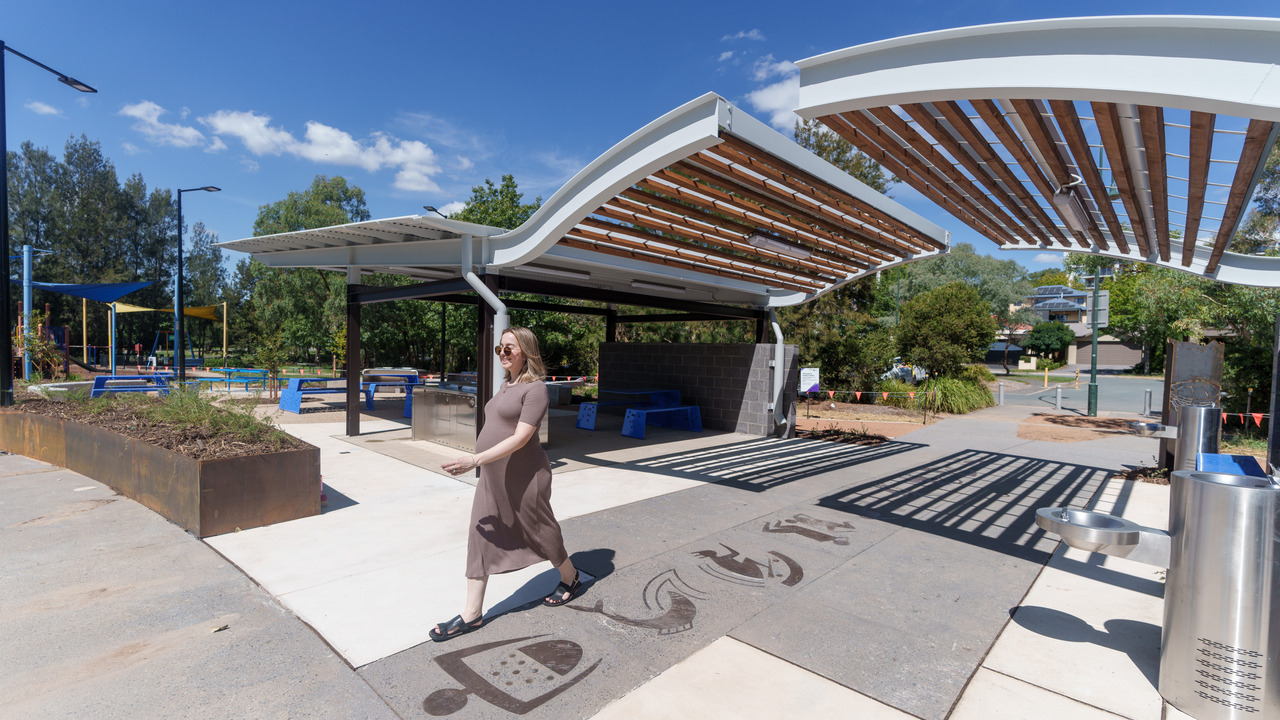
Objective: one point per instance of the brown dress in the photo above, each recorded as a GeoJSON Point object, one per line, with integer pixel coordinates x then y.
{"type": "Point", "coordinates": [512, 526]}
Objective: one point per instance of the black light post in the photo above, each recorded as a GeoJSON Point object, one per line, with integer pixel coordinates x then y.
{"type": "Point", "coordinates": [179, 351]}
{"type": "Point", "coordinates": [6, 345]}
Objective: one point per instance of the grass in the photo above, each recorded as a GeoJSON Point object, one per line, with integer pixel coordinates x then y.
{"type": "Point", "coordinates": [184, 411]}
{"type": "Point", "coordinates": [1246, 442]}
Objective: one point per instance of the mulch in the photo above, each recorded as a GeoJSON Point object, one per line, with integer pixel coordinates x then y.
{"type": "Point", "coordinates": [200, 443]}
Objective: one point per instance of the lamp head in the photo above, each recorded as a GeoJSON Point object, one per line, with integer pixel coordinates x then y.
{"type": "Point", "coordinates": [75, 84]}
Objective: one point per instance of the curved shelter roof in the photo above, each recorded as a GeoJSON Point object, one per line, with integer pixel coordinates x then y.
{"type": "Point", "coordinates": [704, 204]}
{"type": "Point", "coordinates": [1139, 138]}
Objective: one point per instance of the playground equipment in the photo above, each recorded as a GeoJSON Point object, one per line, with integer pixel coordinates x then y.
{"type": "Point", "coordinates": [190, 360]}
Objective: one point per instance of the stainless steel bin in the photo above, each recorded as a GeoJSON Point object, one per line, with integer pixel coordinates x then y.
{"type": "Point", "coordinates": [1221, 626]}
{"type": "Point", "coordinates": [1199, 429]}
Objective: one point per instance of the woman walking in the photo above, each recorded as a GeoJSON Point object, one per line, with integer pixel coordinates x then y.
{"type": "Point", "coordinates": [512, 526]}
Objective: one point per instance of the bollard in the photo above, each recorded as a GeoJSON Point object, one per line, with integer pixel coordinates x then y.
{"type": "Point", "coordinates": [1057, 400]}
{"type": "Point", "coordinates": [1046, 377]}
{"type": "Point", "coordinates": [1001, 400]}
{"type": "Point", "coordinates": [1146, 404]}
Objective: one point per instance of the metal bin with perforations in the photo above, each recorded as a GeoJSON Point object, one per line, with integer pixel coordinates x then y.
{"type": "Point", "coordinates": [1221, 623]}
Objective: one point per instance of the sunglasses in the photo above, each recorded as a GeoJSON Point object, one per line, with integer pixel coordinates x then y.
{"type": "Point", "coordinates": [503, 351]}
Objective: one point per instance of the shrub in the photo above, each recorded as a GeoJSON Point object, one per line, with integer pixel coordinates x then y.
{"type": "Point", "coordinates": [958, 396]}
{"type": "Point", "coordinates": [1048, 364]}
{"type": "Point", "coordinates": [976, 373]}
{"type": "Point", "coordinates": [947, 394]}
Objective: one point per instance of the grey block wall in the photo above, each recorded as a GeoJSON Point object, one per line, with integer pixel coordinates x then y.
{"type": "Point", "coordinates": [730, 384]}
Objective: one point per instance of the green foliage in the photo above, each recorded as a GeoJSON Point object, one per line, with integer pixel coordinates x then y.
{"type": "Point", "coordinates": [103, 230]}
{"type": "Point", "coordinates": [187, 410]}
{"type": "Point", "coordinates": [976, 373]}
{"type": "Point", "coordinates": [46, 358]}
{"type": "Point", "coordinates": [814, 136]}
{"type": "Point", "coordinates": [1049, 339]}
{"type": "Point", "coordinates": [498, 206]}
{"type": "Point", "coordinates": [943, 329]}
{"type": "Point", "coordinates": [270, 356]}
{"type": "Point", "coordinates": [1048, 363]}
{"type": "Point", "coordinates": [955, 395]}
{"type": "Point", "coordinates": [1050, 276]}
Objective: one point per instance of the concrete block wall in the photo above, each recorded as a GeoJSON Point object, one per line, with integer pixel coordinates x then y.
{"type": "Point", "coordinates": [730, 383]}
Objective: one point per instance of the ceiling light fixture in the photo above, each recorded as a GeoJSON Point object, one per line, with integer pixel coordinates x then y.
{"type": "Point", "coordinates": [1067, 203]}
{"type": "Point", "coordinates": [778, 245]}
{"type": "Point", "coordinates": [642, 285]}
{"type": "Point", "coordinates": [560, 272]}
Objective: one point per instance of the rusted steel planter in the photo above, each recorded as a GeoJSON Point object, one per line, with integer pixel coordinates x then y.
{"type": "Point", "coordinates": [206, 497]}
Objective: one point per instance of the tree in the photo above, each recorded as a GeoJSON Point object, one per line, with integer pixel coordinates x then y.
{"type": "Point", "coordinates": [945, 328]}
{"type": "Point", "coordinates": [1049, 276]}
{"type": "Point", "coordinates": [814, 136]}
{"type": "Point", "coordinates": [205, 282]}
{"type": "Point", "coordinates": [501, 206]}
{"type": "Point", "coordinates": [1049, 339]}
{"type": "Point", "coordinates": [303, 305]}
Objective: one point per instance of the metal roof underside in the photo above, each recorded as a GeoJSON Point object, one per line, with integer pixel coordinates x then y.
{"type": "Point", "coordinates": [1122, 136]}
{"type": "Point", "coordinates": [705, 204]}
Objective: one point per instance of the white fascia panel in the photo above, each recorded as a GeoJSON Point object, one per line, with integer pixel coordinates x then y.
{"type": "Point", "coordinates": [423, 252]}
{"type": "Point", "coordinates": [1220, 65]}
{"type": "Point", "coordinates": [687, 130]}
{"type": "Point", "coordinates": [1233, 268]}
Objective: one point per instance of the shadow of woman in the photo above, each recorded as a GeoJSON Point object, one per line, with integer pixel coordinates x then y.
{"type": "Point", "coordinates": [594, 565]}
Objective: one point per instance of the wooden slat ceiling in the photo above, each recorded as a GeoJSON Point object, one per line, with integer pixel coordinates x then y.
{"type": "Point", "coordinates": [699, 213]}
{"type": "Point", "coordinates": [1143, 177]}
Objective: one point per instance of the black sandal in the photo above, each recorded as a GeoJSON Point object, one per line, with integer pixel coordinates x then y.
{"type": "Point", "coordinates": [454, 628]}
{"type": "Point", "coordinates": [557, 598]}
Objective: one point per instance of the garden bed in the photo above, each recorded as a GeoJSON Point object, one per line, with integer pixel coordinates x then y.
{"type": "Point", "coordinates": [205, 481]}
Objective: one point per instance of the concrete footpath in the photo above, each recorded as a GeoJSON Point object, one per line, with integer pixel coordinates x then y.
{"type": "Point", "coordinates": [730, 577]}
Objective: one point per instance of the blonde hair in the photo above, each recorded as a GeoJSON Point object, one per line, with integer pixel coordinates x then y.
{"type": "Point", "coordinates": [534, 368]}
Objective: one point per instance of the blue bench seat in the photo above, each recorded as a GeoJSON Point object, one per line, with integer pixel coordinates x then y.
{"type": "Point", "coordinates": [291, 394]}
{"type": "Point", "coordinates": [683, 417]}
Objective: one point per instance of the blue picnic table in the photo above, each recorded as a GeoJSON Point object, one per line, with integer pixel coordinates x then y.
{"type": "Point", "coordinates": [237, 375]}
{"type": "Point", "coordinates": [291, 394]}
{"type": "Point", "coordinates": [159, 382]}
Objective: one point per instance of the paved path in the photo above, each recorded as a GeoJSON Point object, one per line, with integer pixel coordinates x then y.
{"type": "Point", "coordinates": [1115, 394]}
{"type": "Point", "coordinates": [732, 577]}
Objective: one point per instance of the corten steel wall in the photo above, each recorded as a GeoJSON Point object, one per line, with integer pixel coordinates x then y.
{"type": "Point", "coordinates": [730, 383]}
{"type": "Point", "coordinates": [205, 497]}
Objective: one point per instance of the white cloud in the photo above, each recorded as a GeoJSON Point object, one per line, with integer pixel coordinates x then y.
{"type": "Point", "coordinates": [778, 101]}
{"type": "Point", "coordinates": [216, 145]}
{"type": "Point", "coordinates": [767, 67]}
{"type": "Point", "coordinates": [463, 163]}
{"type": "Point", "coordinates": [727, 54]}
{"type": "Point", "coordinates": [453, 207]}
{"type": "Point", "coordinates": [250, 165]}
{"type": "Point", "coordinates": [441, 132]}
{"type": "Point", "coordinates": [752, 34]}
{"type": "Point", "coordinates": [147, 114]}
{"type": "Point", "coordinates": [131, 148]}
{"type": "Point", "coordinates": [414, 160]}
{"type": "Point", "coordinates": [40, 108]}
{"type": "Point", "coordinates": [1047, 258]}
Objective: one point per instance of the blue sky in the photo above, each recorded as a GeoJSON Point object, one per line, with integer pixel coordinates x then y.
{"type": "Point", "coordinates": [416, 102]}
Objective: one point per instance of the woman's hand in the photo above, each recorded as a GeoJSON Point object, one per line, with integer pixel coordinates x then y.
{"type": "Point", "coordinates": [460, 465]}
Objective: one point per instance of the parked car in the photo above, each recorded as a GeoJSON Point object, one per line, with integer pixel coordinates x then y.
{"type": "Point", "coordinates": [905, 372]}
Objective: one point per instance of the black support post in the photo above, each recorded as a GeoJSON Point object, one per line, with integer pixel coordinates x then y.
{"type": "Point", "coordinates": [354, 370]}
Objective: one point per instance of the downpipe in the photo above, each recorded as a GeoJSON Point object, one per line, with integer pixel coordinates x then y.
{"type": "Point", "coordinates": [779, 370]}
{"type": "Point", "coordinates": [501, 319]}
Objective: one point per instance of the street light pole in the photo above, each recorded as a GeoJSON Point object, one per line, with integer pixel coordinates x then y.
{"type": "Point", "coordinates": [179, 350]}
{"type": "Point", "coordinates": [1093, 363]}
{"type": "Point", "coordinates": [6, 308]}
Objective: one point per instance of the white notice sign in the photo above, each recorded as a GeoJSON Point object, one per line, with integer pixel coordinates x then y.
{"type": "Point", "coordinates": [809, 380]}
